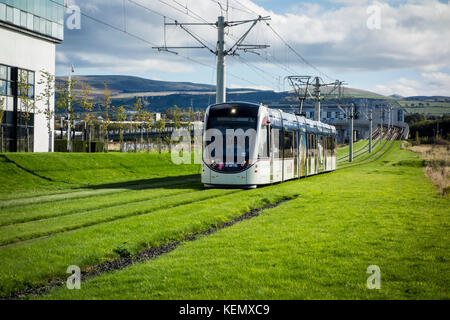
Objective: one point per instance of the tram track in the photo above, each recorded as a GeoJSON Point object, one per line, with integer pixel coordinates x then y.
{"type": "Point", "coordinates": [389, 143]}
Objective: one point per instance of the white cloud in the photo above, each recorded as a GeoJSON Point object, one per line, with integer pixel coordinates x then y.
{"type": "Point", "coordinates": [256, 87]}
{"type": "Point", "coordinates": [127, 65]}
{"type": "Point", "coordinates": [61, 57]}
{"type": "Point", "coordinates": [433, 84]}
{"type": "Point", "coordinates": [414, 35]}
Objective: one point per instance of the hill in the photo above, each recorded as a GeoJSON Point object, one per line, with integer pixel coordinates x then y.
{"type": "Point", "coordinates": [159, 95]}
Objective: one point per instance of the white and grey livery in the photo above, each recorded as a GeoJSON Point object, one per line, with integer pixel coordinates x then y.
{"type": "Point", "coordinates": [249, 145]}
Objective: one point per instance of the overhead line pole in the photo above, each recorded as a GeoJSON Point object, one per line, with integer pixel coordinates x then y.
{"type": "Point", "coordinates": [350, 139]}
{"type": "Point", "coordinates": [381, 120]}
{"type": "Point", "coordinates": [221, 81]}
{"type": "Point", "coordinates": [221, 52]}
{"type": "Point", "coordinates": [370, 134]}
{"type": "Point", "coordinates": [349, 111]}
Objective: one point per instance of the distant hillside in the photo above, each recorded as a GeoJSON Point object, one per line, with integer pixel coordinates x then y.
{"type": "Point", "coordinates": [160, 95]}
{"type": "Point", "coordinates": [129, 84]}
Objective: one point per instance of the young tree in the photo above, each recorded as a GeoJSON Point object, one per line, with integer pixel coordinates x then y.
{"type": "Point", "coordinates": [190, 119]}
{"type": "Point", "coordinates": [138, 109]}
{"type": "Point", "coordinates": [146, 118]}
{"type": "Point", "coordinates": [168, 141]}
{"type": "Point", "coordinates": [27, 102]}
{"type": "Point", "coordinates": [106, 106]}
{"type": "Point", "coordinates": [160, 126]}
{"type": "Point", "coordinates": [174, 114]}
{"type": "Point", "coordinates": [121, 116]}
{"type": "Point", "coordinates": [47, 80]}
{"type": "Point", "coordinates": [2, 113]}
{"type": "Point", "coordinates": [87, 106]}
{"type": "Point", "coordinates": [65, 102]}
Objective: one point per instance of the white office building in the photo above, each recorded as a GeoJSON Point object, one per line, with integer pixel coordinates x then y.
{"type": "Point", "coordinates": [29, 32]}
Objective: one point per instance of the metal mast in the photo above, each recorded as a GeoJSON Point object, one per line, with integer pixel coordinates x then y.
{"type": "Point", "coordinates": [221, 52]}
{"type": "Point", "coordinates": [301, 85]}
{"type": "Point", "coordinates": [317, 99]}
{"type": "Point", "coordinates": [69, 118]}
{"type": "Point", "coordinates": [349, 110]}
{"type": "Point", "coordinates": [381, 119]}
{"type": "Point", "coordinates": [350, 137]}
{"type": "Point", "coordinates": [370, 134]}
{"type": "Point", "coordinates": [221, 81]}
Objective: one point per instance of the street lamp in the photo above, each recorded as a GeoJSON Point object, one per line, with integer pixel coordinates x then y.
{"type": "Point", "coordinates": [69, 120]}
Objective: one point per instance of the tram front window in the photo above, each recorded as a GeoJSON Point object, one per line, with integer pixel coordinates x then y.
{"type": "Point", "coordinates": [238, 135]}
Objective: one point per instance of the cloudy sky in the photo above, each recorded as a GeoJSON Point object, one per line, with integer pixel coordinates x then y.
{"type": "Point", "coordinates": [409, 54]}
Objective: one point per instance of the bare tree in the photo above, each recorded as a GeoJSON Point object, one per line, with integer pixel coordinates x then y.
{"type": "Point", "coordinates": [48, 82]}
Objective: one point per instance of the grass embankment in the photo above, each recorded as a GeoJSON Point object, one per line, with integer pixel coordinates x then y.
{"type": "Point", "coordinates": [36, 174]}
{"type": "Point", "coordinates": [138, 225]}
{"type": "Point", "coordinates": [317, 245]}
{"type": "Point", "coordinates": [359, 145]}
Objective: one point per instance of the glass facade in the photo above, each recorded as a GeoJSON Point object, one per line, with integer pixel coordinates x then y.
{"type": "Point", "coordinates": [45, 17]}
{"type": "Point", "coordinates": [16, 132]}
{"type": "Point", "coordinates": [9, 77]}
{"type": "Point", "coordinates": [17, 128]}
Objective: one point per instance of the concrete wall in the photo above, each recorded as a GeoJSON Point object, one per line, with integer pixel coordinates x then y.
{"type": "Point", "coordinates": [27, 52]}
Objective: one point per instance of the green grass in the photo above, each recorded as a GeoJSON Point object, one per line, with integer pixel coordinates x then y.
{"type": "Point", "coordinates": [37, 174]}
{"type": "Point", "coordinates": [317, 245]}
{"type": "Point", "coordinates": [357, 146]}
{"type": "Point", "coordinates": [434, 108]}
{"type": "Point", "coordinates": [31, 263]}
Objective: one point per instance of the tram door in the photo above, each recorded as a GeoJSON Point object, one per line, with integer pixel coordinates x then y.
{"type": "Point", "coordinates": [302, 154]}
{"type": "Point", "coordinates": [295, 151]}
{"type": "Point", "coordinates": [271, 152]}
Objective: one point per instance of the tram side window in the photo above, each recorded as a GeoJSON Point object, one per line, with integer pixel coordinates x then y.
{"type": "Point", "coordinates": [330, 146]}
{"type": "Point", "coordinates": [288, 144]}
{"type": "Point", "coordinates": [316, 153]}
{"type": "Point", "coordinates": [263, 151]}
{"type": "Point", "coordinates": [308, 144]}
{"type": "Point", "coordinates": [276, 144]}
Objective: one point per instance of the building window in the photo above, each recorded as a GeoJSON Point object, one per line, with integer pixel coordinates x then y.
{"type": "Point", "coordinates": [28, 77]}
{"type": "Point", "coordinates": [9, 14]}
{"type": "Point", "coordinates": [16, 17]}
{"type": "Point", "coordinates": [2, 11]}
{"type": "Point", "coordinates": [6, 81]}
{"type": "Point", "coordinates": [14, 135]}
{"type": "Point", "coordinates": [23, 19]}
{"type": "Point", "coordinates": [36, 15]}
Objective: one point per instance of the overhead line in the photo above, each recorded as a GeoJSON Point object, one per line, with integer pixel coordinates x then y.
{"type": "Point", "coordinates": [288, 45]}
{"type": "Point", "coordinates": [137, 37]}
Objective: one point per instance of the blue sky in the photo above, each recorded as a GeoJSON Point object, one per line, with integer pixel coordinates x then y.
{"type": "Point", "coordinates": [408, 55]}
